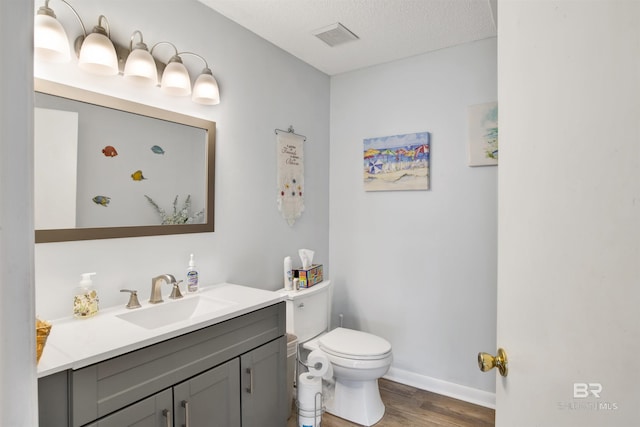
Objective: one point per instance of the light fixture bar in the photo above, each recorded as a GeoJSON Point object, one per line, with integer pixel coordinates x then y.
{"type": "Point", "coordinates": [98, 54]}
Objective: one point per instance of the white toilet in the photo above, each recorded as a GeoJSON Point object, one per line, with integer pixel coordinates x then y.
{"type": "Point", "coordinates": [358, 358]}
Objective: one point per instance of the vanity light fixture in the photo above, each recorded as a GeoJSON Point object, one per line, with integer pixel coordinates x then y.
{"type": "Point", "coordinates": [175, 77]}
{"type": "Point", "coordinates": [50, 40]}
{"type": "Point", "coordinates": [205, 89]}
{"type": "Point", "coordinates": [140, 67]}
{"type": "Point", "coordinates": [97, 53]}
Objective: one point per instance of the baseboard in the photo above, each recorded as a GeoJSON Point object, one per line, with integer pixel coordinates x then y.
{"type": "Point", "coordinates": [456, 391]}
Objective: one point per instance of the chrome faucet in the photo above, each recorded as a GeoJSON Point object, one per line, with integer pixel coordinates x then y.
{"type": "Point", "coordinates": [156, 287]}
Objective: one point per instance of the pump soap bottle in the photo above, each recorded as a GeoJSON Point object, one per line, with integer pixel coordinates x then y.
{"type": "Point", "coordinates": [85, 301]}
{"type": "Point", "coordinates": [288, 274]}
{"type": "Point", "coordinates": [192, 276]}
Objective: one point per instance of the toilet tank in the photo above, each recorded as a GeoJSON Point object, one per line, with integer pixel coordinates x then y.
{"type": "Point", "coordinates": [308, 311]}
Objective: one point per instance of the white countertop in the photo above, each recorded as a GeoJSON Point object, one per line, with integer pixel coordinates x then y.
{"type": "Point", "coordinates": [76, 343]}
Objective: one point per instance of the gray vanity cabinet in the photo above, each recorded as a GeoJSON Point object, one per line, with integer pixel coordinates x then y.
{"type": "Point", "coordinates": [210, 399]}
{"type": "Point", "coordinates": [230, 374]}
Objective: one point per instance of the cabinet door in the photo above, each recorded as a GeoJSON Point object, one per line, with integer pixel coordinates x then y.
{"type": "Point", "coordinates": [264, 391]}
{"type": "Point", "coordinates": [53, 400]}
{"type": "Point", "coordinates": [211, 399]}
{"type": "Point", "coordinates": [154, 411]}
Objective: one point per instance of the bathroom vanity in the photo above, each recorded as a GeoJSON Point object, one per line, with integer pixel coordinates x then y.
{"type": "Point", "coordinates": [224, 365]}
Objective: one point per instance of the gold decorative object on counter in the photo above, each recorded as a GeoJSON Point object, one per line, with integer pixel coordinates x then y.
{"type": "Point", "coordinates": [42, 332]}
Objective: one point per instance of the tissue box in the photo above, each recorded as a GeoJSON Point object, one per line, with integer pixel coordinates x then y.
{"type": "Point", "coordinates": [309, 277]}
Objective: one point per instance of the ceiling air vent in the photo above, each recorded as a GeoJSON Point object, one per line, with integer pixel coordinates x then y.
{"type": "Point", "coordinates": [335, 34]}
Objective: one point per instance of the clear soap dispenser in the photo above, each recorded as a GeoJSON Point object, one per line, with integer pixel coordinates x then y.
{"type": "Point", "coordinates": [192, 276]}
{"type": "Point", "coordinates": [85, 300]}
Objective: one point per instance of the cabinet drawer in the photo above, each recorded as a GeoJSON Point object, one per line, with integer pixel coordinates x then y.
{"type": "Point", "coordinates": [105, 387]}
{"type": "Point", "coordinates": [151, 412]}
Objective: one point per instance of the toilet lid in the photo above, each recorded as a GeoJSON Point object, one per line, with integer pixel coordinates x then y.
{"type": "Point", "coordinates": [354, 344]}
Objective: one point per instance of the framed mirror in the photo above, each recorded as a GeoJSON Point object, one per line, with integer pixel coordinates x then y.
{"type": "Point", "coordinates": [109, 168]}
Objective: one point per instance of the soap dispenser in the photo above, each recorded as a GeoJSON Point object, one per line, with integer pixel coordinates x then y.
{"type": "Point", "coordinates": [85, 300]}
{"type": "Point", "coordinates": [288, 274]}
{"type": "Point", "coordinates": [192, 276]}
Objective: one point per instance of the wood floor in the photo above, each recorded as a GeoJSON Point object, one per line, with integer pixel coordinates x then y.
{"type": "Point", "coordinates": [410, 407]}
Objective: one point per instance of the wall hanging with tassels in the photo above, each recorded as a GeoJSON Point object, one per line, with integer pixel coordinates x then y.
{"type": "Point", "coordinates": [290, 176]}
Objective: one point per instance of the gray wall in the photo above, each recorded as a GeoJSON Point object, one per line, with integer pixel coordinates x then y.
{"type": "Point", "coordinates": [418, 267]}
{"type": "Point", "coordinates": [262, 88]}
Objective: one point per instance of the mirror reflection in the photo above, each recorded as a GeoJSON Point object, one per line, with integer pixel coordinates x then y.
{"type": "Point", "coordinates": [105, 167]}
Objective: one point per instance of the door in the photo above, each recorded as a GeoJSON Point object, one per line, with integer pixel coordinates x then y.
{"type": "Point", "coordinates": [264, 391]}
{"type": "Point", "coordinates": [211, 399]}
{"type": "Point", "coordinates": [569, 213]}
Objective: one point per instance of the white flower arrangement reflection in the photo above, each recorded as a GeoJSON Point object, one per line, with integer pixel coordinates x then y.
{"type": "Point", "coordinates": [181, 216]}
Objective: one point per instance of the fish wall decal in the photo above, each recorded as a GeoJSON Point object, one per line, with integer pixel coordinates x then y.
{"type": "Point", "coordinates": [157, 149]}
{"type": "Point", "coordinates": [102, 200]}
{"type": "Point", "coordinates": [109, 151]}
{"type": "Point", "coordinates": [137, 176]}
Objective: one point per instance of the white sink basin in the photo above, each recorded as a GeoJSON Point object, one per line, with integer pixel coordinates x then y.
{"type": "Point", "coordinates": [168, 312]}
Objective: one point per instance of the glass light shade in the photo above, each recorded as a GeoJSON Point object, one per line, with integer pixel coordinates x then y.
{"type": "Point", "coordinates": [98, 55]}
{"type": "Point", "coordinates": [140, 68]}
{"type": "Point", "coordinates": [205, 89]}
{"type": "Point", "coordinates": [176, 80]}
{"type": "Point", "coordinates": [50, 40]}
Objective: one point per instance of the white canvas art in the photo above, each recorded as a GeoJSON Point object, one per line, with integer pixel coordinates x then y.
{"type": "Point", "coordinates": [398, 162]}
{"type": "Point", "coordinates": [483, 134]}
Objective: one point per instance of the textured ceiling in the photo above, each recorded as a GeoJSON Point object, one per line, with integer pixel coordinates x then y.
{"type": "Point", "coordinates": [387, 29]}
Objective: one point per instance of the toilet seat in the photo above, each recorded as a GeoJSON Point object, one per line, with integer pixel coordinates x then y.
{"type": "Point", "coordinates": [352, 345]}
{"type": "Point", "coordinates": [360, 364]}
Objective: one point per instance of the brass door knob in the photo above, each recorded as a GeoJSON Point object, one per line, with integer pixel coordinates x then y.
{"type": "Point", "coordinates": [486, 362]}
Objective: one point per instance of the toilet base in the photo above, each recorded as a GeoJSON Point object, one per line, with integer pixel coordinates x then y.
{"type": "Point", "coordinates": [357, 401]}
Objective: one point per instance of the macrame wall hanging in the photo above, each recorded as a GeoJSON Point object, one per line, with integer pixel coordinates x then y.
{"type": "Point", "coordinates": [290, 153]}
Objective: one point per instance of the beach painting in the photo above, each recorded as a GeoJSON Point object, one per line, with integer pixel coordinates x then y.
{"type": "Point", "coordinates": [482, 146]}
{"type": "Point", "coordinates": [398, 162]}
